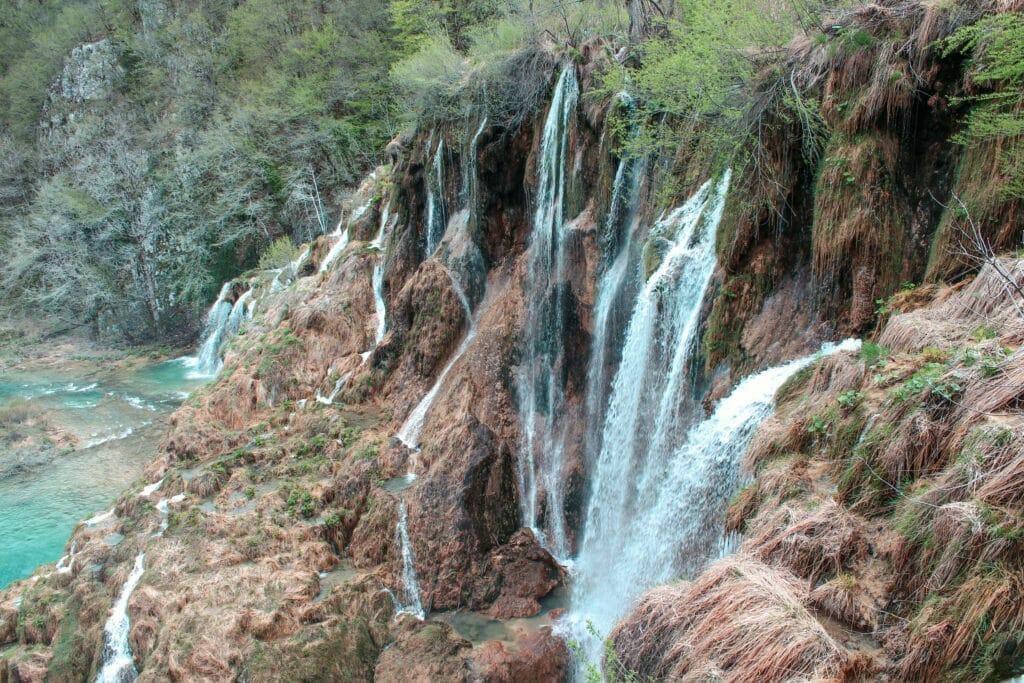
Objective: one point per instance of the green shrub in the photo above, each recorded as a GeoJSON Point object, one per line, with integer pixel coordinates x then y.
{"type": "Point", "coordinates": [279, 254]}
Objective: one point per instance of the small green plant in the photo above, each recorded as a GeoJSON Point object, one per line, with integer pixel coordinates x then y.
{"type": "Point", "coordinates": [348, 436]}
{"type": "Point", "coordinates": [615, 671]}
{"type": "Point", "coordinates": [850, 399]}
{"type": "Point", "coordinates": [874, 355]}
{"type": "Point", "coordinates": [368, 453]}
{"type": "Point", "coordinates": [933, 354]}
{"type": "Point", "coordinates": [250, 492]}
{"type": "Point", "coordinates": [984, 333]}
{"type": "Point", "coordinates": [301, 503]}
{"type": "Point", "coordinates": [819, 426]}
{"type": "Point", "coordinates": [930, 379]}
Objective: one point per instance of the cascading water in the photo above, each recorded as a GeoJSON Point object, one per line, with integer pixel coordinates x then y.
{"type": "Point", "coordinates": [413, 427]}
{"type": "Point", "coordinates": [222, 323]}
{"type": "Point", "coordinates": [469, 178]}
{"type": "Point", "coordinates": [341, 241]}
{"type": "Point", "coordinates": [676, 524]}
{"type": "Point", "coordinates": [539, 381]}
{"type": "Point", "coordinates": [380, 306]}
{"type": "Point", "coordinates": [338, 386]}
{"type": "Point", "coordinates": [616, 288]}
{"type": "Point", "coordinates": [287, 275]}
{"type": "Point", "coordinates": [410, 602]}
{"type": "Point", "coordinates": [208, 361]}
{"type": "Point", "coordinates": [659, 340]}
{"type": "Point", "coordinates": [378, 302]}
{"type": "Point", "coordinates": [437, 212]}
{"type": "Point", "coordinates": [118, 665]}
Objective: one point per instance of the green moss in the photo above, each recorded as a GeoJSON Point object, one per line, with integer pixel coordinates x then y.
{"type": "Point", "coordinates": [71, 650]}
{"type": "Point", "coordinates": [797, 383]}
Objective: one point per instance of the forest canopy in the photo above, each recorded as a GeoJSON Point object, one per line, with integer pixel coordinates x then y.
{"type": "Point", "coordinates": [151, 149]}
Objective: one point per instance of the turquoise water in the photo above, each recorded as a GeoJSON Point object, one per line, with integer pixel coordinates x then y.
{"type": "Point", "coordinates": [119, 419]}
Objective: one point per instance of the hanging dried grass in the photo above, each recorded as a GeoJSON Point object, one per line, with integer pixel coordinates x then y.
{"type": "Point", "coordinates": [741, 619]}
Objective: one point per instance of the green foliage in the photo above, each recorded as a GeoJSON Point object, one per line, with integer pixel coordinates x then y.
{"type": "Point", "coordinates": [995, 45]}
{"type": "Point", "coordinates": [231, 125]}
{"type": "Point", "coordinates": [279, 254]}
{"type": "Point", "coordinates": [932, 378]}
{"type": "Point", "coordinates": [482, 58]}
{"type": "Point", "coordinates": [614, 671]}
{"type": "Point", "coordinates": [873, 354]}
{"type": "Point", "coordinates": [368, 453]}
{"type": "Point", "coordinates": [301, 503]}
{"type": "Point", "coordinates": [850, 399]}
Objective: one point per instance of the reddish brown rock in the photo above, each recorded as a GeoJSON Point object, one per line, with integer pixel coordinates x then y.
{"type": "Point", "coordinates": [538, 657]}
{"type": "Point", "coordinates": [424, 651]}
{"type": "Point", "coordinates": [515, 577]}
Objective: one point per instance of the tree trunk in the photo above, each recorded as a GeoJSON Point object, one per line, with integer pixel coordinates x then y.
{"type": "Point", "coordinates": [640, 14]}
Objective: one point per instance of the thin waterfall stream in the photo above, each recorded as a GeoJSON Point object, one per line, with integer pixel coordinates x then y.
{"type": "Point", "coordinates": [409, 602]}
{"type": "Point", "coordinates": [437, 217]}
{"type": "Point", "coordinates": [411, 430]}
{"type": "Point", "coordinates": [118, 665]}
{"type": "Point", "coordinates": [616, 286]}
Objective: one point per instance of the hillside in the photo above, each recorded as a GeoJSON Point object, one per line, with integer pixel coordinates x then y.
{"type": "Point", "coordinates": [669, 341]}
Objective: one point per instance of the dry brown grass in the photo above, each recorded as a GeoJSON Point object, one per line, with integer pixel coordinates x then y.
{"type": "Point", "coordinates": [811, 543]}
{"type": "Point", "coordinates": [949, 633]}
{"type": "Point", "coordinates": [845, 600]}
{"type": "Point", "coordinates": [988, 300]}
{"type": "Point", "coordinates": [741, 620]}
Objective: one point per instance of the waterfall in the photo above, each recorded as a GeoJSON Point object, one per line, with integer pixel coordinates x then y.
{"type": "Point", "coordinates": [540, 375]}
{"type": "Point", "coordinates": [469, 177]}
{"type": "Point", "coordinates": [339, 245]}
{"type": "Point", "coordinates": [118, 665]}
{"type": "Point", "coordinates": [287, 275]}
{"type": "Point", "coordinates": [615, 287]}
{"type": "Point", "coordinates": [380, 307]}
{"type": "Point", "coordinates": [239, 312]}
{"type": "Point", "coordinates": [67, 562]}
{"type": "Point", "coordinates": [413, 426]}
{"type": "Point", "coordinates": [222, 323]}
{"type": "Point", "coordinates": [213, 335]}
{"type": "Point", "coordinates": [659, 341]}
{"type": "Point", "coordinates": [385, 218]}
{"type": "Point", "coordinates": [338, 386]}
{"type": "Point", "coordinates": [436, 209]}
{"type": "Point", "coordinates": [410, 602]}
{"type": "Point", "coordinates": [676, 524]}
{"type": "Point", "coordinates": [378, 302]}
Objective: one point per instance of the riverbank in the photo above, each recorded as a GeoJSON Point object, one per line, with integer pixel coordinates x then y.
{"type": "Point", "coordinates": [79, 421]}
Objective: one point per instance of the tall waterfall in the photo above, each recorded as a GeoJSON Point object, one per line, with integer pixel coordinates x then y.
{"type": "Point", "coordinates": [410, 602]}
{"type": "Point", "coordinates": [675, 524]}
{"type": "Point", "coordinates": [118, 665]}
{"type": "Point", "coordinates": [616, 288]}
{"type": "Point", "coordinates": [413, 427]}
{"type": "Point", "coordinates": [540, 377]}
{"type": "Point", "coordinates": [437, 211]}
{"type": "Point", "coordinates": [222, 323]}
